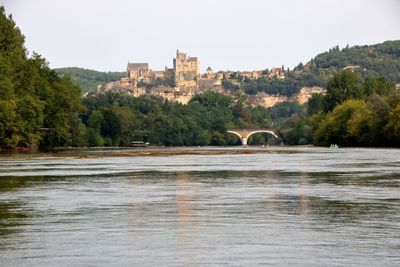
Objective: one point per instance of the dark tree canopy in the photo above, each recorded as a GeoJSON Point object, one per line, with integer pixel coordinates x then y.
{"type": "Point", "coordinates": [36, 106]}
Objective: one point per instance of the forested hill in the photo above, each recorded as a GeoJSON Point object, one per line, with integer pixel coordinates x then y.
{"type": "Point", "coordinates": [371, 61]}
{"type": "Point", "coordinates": [89, 79]}
{"type": "Point", "coordinates": [374, 60]}
{"type": "Point", "coordinates": [380, 60]}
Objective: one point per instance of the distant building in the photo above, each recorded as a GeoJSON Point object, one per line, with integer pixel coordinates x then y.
{"type": "Point", "coordinates": [352, 68]}
{"type": "Point", "coordinates": [139, 71]}
{"type": "Point", "coordinates": [184, 80]}
{"type": "Point", "coordinates": [278, 73]}
{"type": "Point", "coordinates": [255, 74]}
{"type": "Point", "coordinates": [209, 73]}
{"type": "Point", "coordinates": [186, 69]}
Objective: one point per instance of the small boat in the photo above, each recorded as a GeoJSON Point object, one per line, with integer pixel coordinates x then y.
{"type": "Point", "coordinates": [334, 147]}
{"type": "Point", "coordinates": [139, 144]}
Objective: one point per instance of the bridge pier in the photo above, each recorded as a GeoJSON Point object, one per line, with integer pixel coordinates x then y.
{"type": "Point", "coordinates": [244, 141]}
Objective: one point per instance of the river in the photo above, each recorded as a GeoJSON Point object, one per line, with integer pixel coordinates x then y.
{"type": "Point", "coordinates": [280, 206]}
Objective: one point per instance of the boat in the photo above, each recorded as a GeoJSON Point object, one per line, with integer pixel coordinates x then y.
{"type": "Point", "coordinates": [139, 144]}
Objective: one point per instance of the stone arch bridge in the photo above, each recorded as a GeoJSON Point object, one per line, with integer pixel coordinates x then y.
{"type": "Point", "coordinates": [244, 134]}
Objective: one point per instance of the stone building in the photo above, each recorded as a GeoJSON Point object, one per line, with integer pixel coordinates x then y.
{"type": "Point", "coordinates": [255, 74]}
{"type": "Point", "coordinates": [186, 70]}
{"type": "Point", "coordinates": [139, 71]}
{"type": "Point", "coordinates": [183, 81]}
{"type": "Point", "coordinates": [158, 74]}
{"type": "Point", "coordinates": [209, 73]}
{"type": "Point", "coordinates": [352, 68]}
{"type": "Point", "coordinates": [278, 73]}
{"type": "Point", "coordinates": [210, 80]}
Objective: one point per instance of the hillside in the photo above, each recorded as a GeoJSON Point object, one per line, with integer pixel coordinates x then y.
{"type": "Point", "coordinates": [89, 79]}
{"type": "Point", "coordinates": [370, 61]}
{"type": "Point", "coordinates": [374, 60]}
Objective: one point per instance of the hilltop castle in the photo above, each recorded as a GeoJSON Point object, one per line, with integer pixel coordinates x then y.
{"type": "Point", "coordinates": [183, 80]}
{"type": "Point", "coordinates": [185, 72]}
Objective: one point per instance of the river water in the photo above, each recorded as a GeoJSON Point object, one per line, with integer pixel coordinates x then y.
{"type": "Point", "coordinates": [221, 207]}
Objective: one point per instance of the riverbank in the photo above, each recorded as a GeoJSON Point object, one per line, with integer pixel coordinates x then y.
{"type": "Point", "coordinates": [96, 152]}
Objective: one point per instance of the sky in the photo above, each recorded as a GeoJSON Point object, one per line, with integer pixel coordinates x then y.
{"type": "Point", "coordinates": [224, 34]}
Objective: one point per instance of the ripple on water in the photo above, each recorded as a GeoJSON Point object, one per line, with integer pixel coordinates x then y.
{"type": "Point", "coordinates": [306, 207]}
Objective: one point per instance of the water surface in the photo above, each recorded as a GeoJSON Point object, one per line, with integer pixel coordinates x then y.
{"type": "Point", "coordinates": [224, 206]}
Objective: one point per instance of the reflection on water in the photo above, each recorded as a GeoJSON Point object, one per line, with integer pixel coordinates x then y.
{"type": "Point", "coordinates": [12, 217]}
{"type": "Point", "coordinates": [195, 210]}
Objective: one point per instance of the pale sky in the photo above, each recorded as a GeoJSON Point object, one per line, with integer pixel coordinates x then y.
{"type": "Point", "coordinates": [224, 34]}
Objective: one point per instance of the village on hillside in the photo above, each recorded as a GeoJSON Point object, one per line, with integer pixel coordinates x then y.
{"type": "Point", "coordinates": [184, 80]}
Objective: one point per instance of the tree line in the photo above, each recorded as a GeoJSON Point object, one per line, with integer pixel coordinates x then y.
{"type": "Point", "coordinates": [88, 80]}
{"type": "Point", "coordinates": [380, 60]}
{"type": "Point", "coordinates": [354, 112]}
{"type": "Point", "coordinates": [37, 107]}
{"type": "Point", "coordinates": [116, 118]}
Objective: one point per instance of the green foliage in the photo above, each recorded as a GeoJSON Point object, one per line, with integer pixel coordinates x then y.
{"type": "Point", "coordinates": [12, 48]}
{"type": "Point", "coordinates": [87, 79]}
{"type": "Point", "coordinates": [315, 104]}
{"type": "Point", "coordinates": [375, 60]}
{"type": "Point", "coordinates": [285, 110]}
{"type": "Point", "coordinates": [110, 127]}
{"type": "Point", "coordinates": [274, 86]}
{"type": "Point", "coordinates": [117, 118]}
{"type": "Point", "coordinates": [211, 99]}
{"type": "Point", "coordinates": [229, 85]}
{"type": "Point", "coordinates": [334, 127]}
{"type": "Point", "coordinates": [36, 106]}
{"type": "Point", "coordinates": [366, 119]}
{"type": "Point", "coordinates": [352, 113]}
{"type": "Point", "coordinates": [379, 85]}
{"type": "Point", "coordinates": [344, 85]}
{"type": "Point", "coordinates": [392, 128]}
{"type": "Point", "coordinates": [380, 60]}
{"type": "Point", "coordinates": [296, 131]}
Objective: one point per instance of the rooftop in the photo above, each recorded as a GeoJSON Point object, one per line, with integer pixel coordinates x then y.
{"type": "Point", "coordinates": [134, 66]}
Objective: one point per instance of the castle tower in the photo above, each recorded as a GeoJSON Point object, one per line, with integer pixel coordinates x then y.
{"type": "Point", "coordinates": [209, 73]}
{"type": "Point", "coordinates": [186, 70]}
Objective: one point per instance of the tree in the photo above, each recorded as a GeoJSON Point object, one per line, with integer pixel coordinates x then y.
{"type": "Point", "coordinates": [392, 128]}
{"type": "Point", "coordinates": [334, 127]}
{"type": "Point", "coordinates": [260, 117]}
{"type": "Point", "coordinates": [295, 131]}
{"type": "Point", "coordinates": [37, 106]}
{"type": "Point", "coordinates": [110, 127]}
{"type": "Point", "coordinates": [211, 99]}
{"type": "Point", "coordinates": [240, 108]}
{"type": "Point", "coordinates": [315, 104]}
{"type": "Point", "coordinates": [29, 115]}
{"type": "Point", "coordinates": [379, 86]}
{"type": "Point", "coordinates": [88, 80]}
{"type": "Point", "coordinates": [343, 86]}
{"type": "Point", "coordinates": [127, 120]}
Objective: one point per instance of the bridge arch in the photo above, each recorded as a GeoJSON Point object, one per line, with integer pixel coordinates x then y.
{"type": "Point", "coordinates": [236, 133]}
{"type": "Point", "coordinates": [244, 134]}
{"type": "Point", "coordinates": [262, 131]}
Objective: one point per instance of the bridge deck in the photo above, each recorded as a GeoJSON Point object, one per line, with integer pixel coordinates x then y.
{"type": "Point", "coordinates": [244, 134]}
{"type": "Point", "coordinates": [250, 129]}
